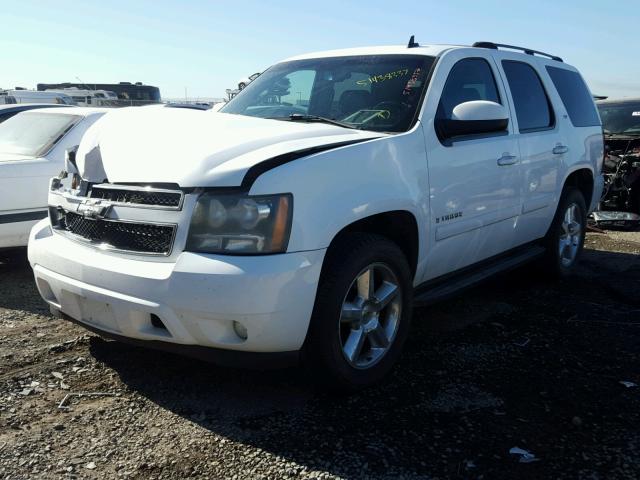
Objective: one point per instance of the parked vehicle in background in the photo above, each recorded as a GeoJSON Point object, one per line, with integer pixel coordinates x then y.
{"type": "Point", "coordinates": [8, 111]}
{"type": "Point", "coordinates": [305, 219]}
{"type": "Point", "coordinates": [32, 150]}
{"type": "Point", "coordinates": [621, 124]}
{"type": "Point", "coordinates": [217, 106]}
{"type": "Point", "coordinates": [129, 94]}
{"type": "Point", "coordinates": [247, 80]}
{"type": "Point", "coordinates": [34, 96]}
{"type": "Point", "coordinates": [89, 98]}
{"type": "Point", "coordinates": [6, 99]}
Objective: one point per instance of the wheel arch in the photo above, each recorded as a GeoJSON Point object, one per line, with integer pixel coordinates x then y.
{"type": "Point", "coordinates": [581, 178]}
{"type": "Point", "coordinates": [399, 226]}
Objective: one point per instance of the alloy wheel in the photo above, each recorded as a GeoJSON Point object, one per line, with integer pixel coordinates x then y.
{"type": "Point", "coordinates": [370, 316]}
{"type": "Point", "coordinates": [570, 235]}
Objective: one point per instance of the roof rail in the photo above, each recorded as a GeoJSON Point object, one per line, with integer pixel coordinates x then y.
{"type": "Point", "coordinates": [528, 51]}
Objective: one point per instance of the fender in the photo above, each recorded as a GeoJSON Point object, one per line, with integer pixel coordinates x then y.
{"type": "Point", "coordinates": [255, 171]}
{"type": "Point", "coordinates": [338, 187]}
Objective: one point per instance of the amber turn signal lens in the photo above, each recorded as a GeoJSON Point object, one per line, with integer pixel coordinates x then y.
{"type": "Point", "coordinates": [281, 225]}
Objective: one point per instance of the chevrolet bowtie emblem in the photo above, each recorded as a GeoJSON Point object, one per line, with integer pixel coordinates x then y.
{"type": "Point", "coordinates": [93, 208]}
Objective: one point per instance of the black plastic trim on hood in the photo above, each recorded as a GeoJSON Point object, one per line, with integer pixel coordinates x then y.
{"type": "Point", "coordinates": [258, 169]}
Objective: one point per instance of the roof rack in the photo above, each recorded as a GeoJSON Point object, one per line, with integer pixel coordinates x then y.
{"type": "Point", "coordinates": [528, 51]}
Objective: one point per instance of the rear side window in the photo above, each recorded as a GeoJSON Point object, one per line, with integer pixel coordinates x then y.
{"type": "Point", "coordinates": [533, 109]}
{"type": "Point", "coordinates": [575, 97]}
{"type": "Point", "coordinates": [469, 79]}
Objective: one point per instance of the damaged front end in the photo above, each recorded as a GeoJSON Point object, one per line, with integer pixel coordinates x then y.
{"type": "Point", "coordinates": [620, 203]}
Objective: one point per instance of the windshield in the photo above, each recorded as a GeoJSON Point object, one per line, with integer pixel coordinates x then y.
{"type": "Point", "coordinates": [34, 134]}
{"type": "Point", "coordinates": [372, 92]}
{"type": "Point", "coordinates": [621, 118]}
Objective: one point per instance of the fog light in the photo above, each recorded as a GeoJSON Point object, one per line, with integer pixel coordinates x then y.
{"type": "Point", "coordinates": [240, 330]}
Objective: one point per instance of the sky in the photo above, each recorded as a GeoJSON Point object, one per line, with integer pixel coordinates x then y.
{"type": "Point", "coordinates": [204, 47]}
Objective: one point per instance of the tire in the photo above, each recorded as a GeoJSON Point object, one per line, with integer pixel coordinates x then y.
{"type": "Point", "coordinates": [561, 259]}
{"type": "Point", "coordinates": [14, 257]}
{"type": "Point", "coordinates": [379, 328]}
{"type": "Point", "coordinates": [241, 85]}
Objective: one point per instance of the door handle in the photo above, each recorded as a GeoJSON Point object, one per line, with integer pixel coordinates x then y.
{"type": "Point", "coordinates": [560, 149]}
{"type": "Point", "coordinates": [507, 159]}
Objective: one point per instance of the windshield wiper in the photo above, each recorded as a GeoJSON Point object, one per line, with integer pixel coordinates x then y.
{"type": "Point", "coordinates": [316, 118]}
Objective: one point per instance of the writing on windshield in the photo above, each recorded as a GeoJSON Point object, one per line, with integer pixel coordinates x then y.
{"type": "Point", "coordinates": [371, 92]}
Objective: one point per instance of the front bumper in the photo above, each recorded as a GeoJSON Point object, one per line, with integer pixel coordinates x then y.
{"type": "Point", "coordinates": [197, 298]}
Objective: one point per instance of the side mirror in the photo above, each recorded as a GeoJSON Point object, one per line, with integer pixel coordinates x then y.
{"type": "Point", "coordinates": [474, 117]}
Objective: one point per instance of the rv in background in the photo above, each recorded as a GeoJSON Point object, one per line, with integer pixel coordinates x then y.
{"type": "Point", "coordinates": [89, 98]}
{"type": "Point", "coordinates": [34, 96]}
{"type": "Point", "coordinates": [128, 93]}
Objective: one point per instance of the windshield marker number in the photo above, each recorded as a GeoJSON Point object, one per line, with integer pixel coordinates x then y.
{"type": "Point", "coordinates": [383, 77]}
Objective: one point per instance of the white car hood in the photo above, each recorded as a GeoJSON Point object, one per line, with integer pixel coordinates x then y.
{"type": "Point", "coordinates": [193, 148]}
{"type": "Point", "coordinates": [14, 157]}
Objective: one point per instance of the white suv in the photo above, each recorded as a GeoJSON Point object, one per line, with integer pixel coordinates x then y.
{"type": "Point", "coordinates": [329, 196]}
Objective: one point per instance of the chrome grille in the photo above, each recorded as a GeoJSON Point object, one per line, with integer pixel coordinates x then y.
{"type": "Point", "coordinates": [127, 236]}
{"type": "Point", "coordinates": [133, 196]}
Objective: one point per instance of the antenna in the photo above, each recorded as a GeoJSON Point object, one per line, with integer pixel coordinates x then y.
{"type": "Point", "coordinates": [412, 43]}
{"type": "Point", "coordinates": [82, 83]}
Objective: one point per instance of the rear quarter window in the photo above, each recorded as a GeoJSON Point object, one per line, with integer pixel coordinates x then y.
{"type": "Point", "coordinates": [575, 96]}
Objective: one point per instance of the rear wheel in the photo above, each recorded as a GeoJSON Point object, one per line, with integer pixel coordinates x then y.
{"type": "Point", "coordinates": [565, 238]}
{"type": "Point", "coordinates": [362, 312]}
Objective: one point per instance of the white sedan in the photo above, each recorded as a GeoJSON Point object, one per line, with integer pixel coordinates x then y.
{"type": "Point", "coordinates": [243, 82]}
{"type": "Point", "coordinates": [32, 150]}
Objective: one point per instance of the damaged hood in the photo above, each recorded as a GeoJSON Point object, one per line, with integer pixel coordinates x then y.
{"type": "Point", "coordinates": [193, 148]}
{"type": "Point", "coordinates": [14, 157]}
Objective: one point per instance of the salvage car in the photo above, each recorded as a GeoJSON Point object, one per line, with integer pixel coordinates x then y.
{"type": "Point", "coordinates": [621, 124]}
{"type": "Point", "coordinates": [8, 111]}
{"type": "Point", "coordinates": [243, 82]}
{"type": "Point", "coordinates": [305, 219]}
{"type": "Point", "coordinates": [32, 150]}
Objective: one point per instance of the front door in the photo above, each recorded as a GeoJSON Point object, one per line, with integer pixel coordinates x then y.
{"type": "Point", "coordinates": [23, 197]}
{"type": "Point", "coordinates": [475, 181]}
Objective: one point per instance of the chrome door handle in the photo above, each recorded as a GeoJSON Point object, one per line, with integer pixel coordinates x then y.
{"type": "Point", "coordinates": [507, 159]}
{"type": "Point", "coordinates": [560, 149]}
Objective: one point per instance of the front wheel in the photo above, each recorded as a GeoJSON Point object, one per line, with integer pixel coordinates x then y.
{"type": "Point", "coordinates": [565, 238]}
{"type": "Point", "coordinates": [362, 312]}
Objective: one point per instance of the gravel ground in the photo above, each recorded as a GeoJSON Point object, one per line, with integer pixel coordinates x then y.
{"type": "Point", "coordinates": [517, 362]}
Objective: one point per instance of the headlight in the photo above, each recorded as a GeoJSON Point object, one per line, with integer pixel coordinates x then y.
{"type": "Point", "coordinates": [237, 224]}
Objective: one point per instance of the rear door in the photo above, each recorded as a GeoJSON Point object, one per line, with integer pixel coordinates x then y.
{"type": "Point", "coordinates": [475, 180]}
{"type": "Point", "coordinates": [541, 140]}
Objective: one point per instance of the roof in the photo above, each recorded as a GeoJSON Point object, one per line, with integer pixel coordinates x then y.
{"type": "Point", "coordinates": [427, 50]}
{"type": "Point", "coordinates": [71, 110]}
{"type": "Point", "coordinates": [430, 50]}
{"type": "Point", "coordinates": [13, 107]}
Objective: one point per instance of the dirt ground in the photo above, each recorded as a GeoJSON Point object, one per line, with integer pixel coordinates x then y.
{"type": "Point", "coordinates": [517, 362]}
